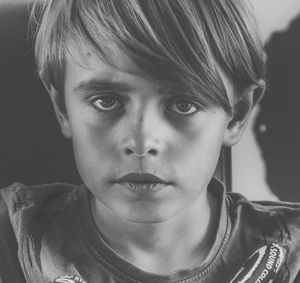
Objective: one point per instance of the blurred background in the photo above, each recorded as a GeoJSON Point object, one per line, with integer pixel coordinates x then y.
{"type": "Point", "coordinates": [265, 164]}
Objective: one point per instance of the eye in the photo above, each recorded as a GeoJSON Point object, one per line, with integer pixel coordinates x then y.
{"type": "Point", "coordinates": [184, 107]}
{"type": "Point", "coordinates": [107, 103]}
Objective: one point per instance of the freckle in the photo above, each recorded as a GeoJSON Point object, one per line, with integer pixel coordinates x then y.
{"type": "Point", "coordinates": [89, 54]}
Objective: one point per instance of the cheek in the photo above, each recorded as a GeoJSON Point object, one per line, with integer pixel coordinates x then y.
{"type": "Point", "coordinates": [94, 139]}
{"type": "Point", "coordinates": [203, 136]}
{"type": "Point", "coordinates": [93, 145]}
{"type": "Point", "coordinates": [91, 131]}
{"type": "Point", "coordinates": [198, 149]}
{"type": "Point", "coordinates": [199, 152]}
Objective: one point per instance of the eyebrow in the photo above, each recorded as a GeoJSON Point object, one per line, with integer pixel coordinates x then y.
{"type": "Point", "coordinates": [181, 93]}
{"type": "Point", "coordinates": [97, 84]}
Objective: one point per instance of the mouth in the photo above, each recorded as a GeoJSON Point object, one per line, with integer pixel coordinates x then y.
{"type": "Point", "coordinates": [142, 182]}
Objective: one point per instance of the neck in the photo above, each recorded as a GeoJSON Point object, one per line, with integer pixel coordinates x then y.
{"type": "Point", "coordinates": [181, 242]}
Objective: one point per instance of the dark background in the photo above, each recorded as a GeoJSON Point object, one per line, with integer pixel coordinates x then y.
{"type": "Point", "coordinates": [280, 114]}
{"type": "Point", "coordinates": [32, 150]}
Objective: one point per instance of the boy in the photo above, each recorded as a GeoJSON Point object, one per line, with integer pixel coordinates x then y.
{"type": "Point", "coordinates": [148, 91]}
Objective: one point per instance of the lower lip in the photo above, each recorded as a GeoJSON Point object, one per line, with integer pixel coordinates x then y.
{"type": "Point", "coordinates": [144, 187]}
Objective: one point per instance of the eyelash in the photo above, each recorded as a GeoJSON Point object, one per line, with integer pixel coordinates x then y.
{"type": "Point", "coordinates": [198, 107]}
{"type": "Point", "coordinates": [93, 100]}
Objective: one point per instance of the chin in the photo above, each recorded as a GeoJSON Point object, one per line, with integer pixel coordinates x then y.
{"type": "Point", "coordinates": [147, 220]}
{"type": "Point", "coordinates": [150, 217]}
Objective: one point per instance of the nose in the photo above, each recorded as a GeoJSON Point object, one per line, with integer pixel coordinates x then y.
{"type": "Point", "coordinates": [145, 134]}
{"type": "Point", "coordinates": [134, 152]}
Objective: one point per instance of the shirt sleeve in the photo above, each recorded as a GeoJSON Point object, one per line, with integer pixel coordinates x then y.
{"type": "Point", "coordinates": [10, 269]}
{"type": "Point", "coordinates": [297, 279]}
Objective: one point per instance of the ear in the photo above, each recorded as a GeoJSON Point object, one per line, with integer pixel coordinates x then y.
{"type": "Point", "coordinates": [242, 109]}
{"type": "Point", "coordinates": [60, 111]}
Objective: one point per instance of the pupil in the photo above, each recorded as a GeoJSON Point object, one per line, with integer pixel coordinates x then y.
{"type": "Point", "coordinates": [184, 106]}
{"type": "Point", "coordinates": [107, 102]}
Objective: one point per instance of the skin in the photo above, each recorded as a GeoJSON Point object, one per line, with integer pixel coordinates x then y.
{"type": "Point", "coordinates": [173, 226]}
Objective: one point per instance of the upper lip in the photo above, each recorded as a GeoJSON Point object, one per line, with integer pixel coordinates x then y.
{"type": "Point", "coordinates": [141, 178]}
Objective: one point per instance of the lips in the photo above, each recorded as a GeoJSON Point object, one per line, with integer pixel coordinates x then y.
{"type": "Point", "coordinates": [142, 182]}
{"type": "Point", "coordinates": [141, 178]}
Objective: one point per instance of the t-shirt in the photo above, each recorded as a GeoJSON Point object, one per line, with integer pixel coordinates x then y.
{"type": "Point", "coordinates": [48, 235]}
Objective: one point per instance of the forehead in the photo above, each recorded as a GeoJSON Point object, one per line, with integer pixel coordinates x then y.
{"type": "Point", "coordinates": [113, 61]}
{"type": "Point", "coordinates": [85, 69]}
{"type": "Point", "coordinates": [84, 65]}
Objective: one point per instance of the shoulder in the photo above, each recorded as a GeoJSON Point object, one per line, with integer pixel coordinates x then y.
{"type": "Point", "coordinates": [268, 222]}
{"type": "Point", "coordinates": [19, 194]}
{"type": "Point", "coordinates": [10, 270]}
{"type": "Point", "coordinates": [265, 215]}
{"type": "Point", "coordinates": [275, 220]}
{"type": "Point", "coordinates": [48, 196]}
{"type": "Point", "coordinates": [25, 202]}
{"type": "Point", "coordinates": [25, 213]}
{"type": "Point", "coordinates": [239, 205]}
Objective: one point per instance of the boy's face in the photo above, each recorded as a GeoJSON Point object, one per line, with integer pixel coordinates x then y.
{"type": "Point", "coordinates": [113, 117]}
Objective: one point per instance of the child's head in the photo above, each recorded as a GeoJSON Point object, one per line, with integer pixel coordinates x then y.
{"type": "Point", "coordinates": [178, 43]}
{"type": "Point", "coordinates": [149, 86]}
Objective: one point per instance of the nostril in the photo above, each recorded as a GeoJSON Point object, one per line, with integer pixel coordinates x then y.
{"type": "Point", "coordinates": [152, 152]}
{"type": "Point", "coordinates": [128, 151]}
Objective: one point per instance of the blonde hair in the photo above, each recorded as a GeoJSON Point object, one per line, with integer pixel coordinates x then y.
{"type": "Point", "coordinates": [178, 43]}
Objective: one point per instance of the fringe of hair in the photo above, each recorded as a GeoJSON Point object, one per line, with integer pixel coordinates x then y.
{"type": "Point", "coordinates": [180, 44]}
